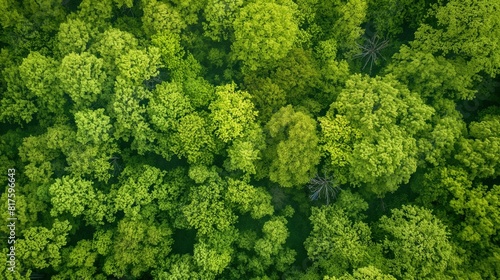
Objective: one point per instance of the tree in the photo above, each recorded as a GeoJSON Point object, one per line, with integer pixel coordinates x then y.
{"type": "Point", "coordinates": [448, 128]}
{"type": "Point", "coordinates": [293, 152]}
{"type": "Point", "coordinates": [126, 3]}
{"type": "Point", "coordinates": [480, 152]}
{"type": "Point", "coordinates": [353, 205]}
{"type": "Point", "coordinates": [96, 12]}
{"type": "Point", "coordinates": [247, 198]}
{"type": "Point", "coordinates": [432, 75]}
{"type": "Point", "coordinates": [371, 50]}
{"type": "Point", "coordinates": [213, 252]}
{"type": "Point", "coordinates": [467, 50]}
{"type": "Point", "coordinates": [42, 153]}
{"type": "Point", "coordinates": [193, 139]}
{"type": "Point", "coordinates": [158, 138]}
{"type": "Point", "coordinates": [47, 15]}
{"type": "Point", "coordinates": [333, 72]}
{"type": "Point", "coordinates": [171, 51]}
{"type": "Point", "coordinates": [188, 72]}
{"type": "Point", "coordinates": [391, 17]}
{"type": "Point", "coordinates": [232, 113]}
{"type": "Point", "coordinates": [202, 173]}
{"type": "Point", "coordinates": [340, 20]}
{"type": "Point", "coordinates": [297, 75]}
{"type": "Point", "coordinates": [351, 15]}
{"type": "Point", "coordinates": [370, 133]}
{"type": "Point", "coordinates": [220, 16]}
{"type": "Point", "coordinates": [30, 25]}
{"type": "Point", "coordinates": [93, 127]}
{"type": "Point", "coordinates": [336, 243]}
{"type": "Point", "coordinates": [244, 154]}
{"type": "Point", "coordinates": [323, 187]}
{"type": "Point", "coordinates": [10, 13]}
{"type": "Point", "coordinates": [264, 32]}
{"type": "Point", "coordinates": [73, 37]}
{"type": "Point", "coordinates": [132, 238]}
{"type": "Point", "coordinates": [272, 245]}
{"type": "Point", "coordinates": [27, 204]}
{"type": "Point", "coordinates": [17, 102]}
{"type": "Point", "coordinates": [129, 111]}
{"type": "Point", "coordinates": [137, 66]}
{"type": "Point", "coordinates": [263, 252]}
{"type": "Point", "coordinates": [178, 267]}
{"type": "Point", "coordinates": [111, 45]}
{"type": "Point", "coordinates": [79, 262]}
{"type": "Point", "coordinates": [275, 234]}
{"type": "Point", "coordinates": [165, 109]}
{"type": "Point", "coordinates": [418, 244]}
{"type": "Point", "coordinates": [81, 76]}
{"type": "Point", "coordinates": [234, 120]}
{"type": "Point", "coordinates": [171, 196]}
{"type": "Point", "coordinates": [190, 9]}
{"type": "Point", "coordinates": [93, 147]}
{"type": "Point", "coordinates": [167, 106]}
{"type": "Point", "coordinates": [133, 194]}
{"type": "Point", "coordinates": [469, 32]}
{"type": "Point", "coordinates": [267, 96]}
{"type": "Point", "coordinates": [79, 197]}
{"type": "Point", "coordinates": [479, 206]}
{"type": "Point", "coordinates": [433, 188]}
{"type": "Point", "coordinates": [206, 211]}
{"type": "Point", "coordinates": [39, 74]}
{"type": "Point", "coordinates": [160, 17]}
{"type": "Point", "coordinates": [470, 210]}
{"type": "Point", "coordinates": [41, 247]}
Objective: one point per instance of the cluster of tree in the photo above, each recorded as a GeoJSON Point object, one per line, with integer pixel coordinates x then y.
{"type": "Point", "coordinates": [252, 139]}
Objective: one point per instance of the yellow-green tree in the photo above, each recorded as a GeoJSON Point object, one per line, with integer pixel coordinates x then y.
{"type": "Point", "coordinates": [370, 133]}
{"type": "Point", "coordinates": [293, 151]}
{"type": "Point", "coordinates": [264, 32]}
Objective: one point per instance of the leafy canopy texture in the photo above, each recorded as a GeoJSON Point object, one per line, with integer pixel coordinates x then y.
{"type": "Point", "coordinates": [370, 133]}
{"type": "Point", "coordinates": [250, 139]}
{"type": "Point", "coordinates": [336, 243]}
{"type": "Point", "coordinates": [264, 32]}
{"type": "Point", "coordinates": [232, 113]}
{"type": "Point", "coordinates": [295, 144]}
{"type": "Point", "coordinates": [419, 243]}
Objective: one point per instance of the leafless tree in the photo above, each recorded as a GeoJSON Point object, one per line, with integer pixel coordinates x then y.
{"type": "Point", "coordinates": [370, 50]}
{"type": "Point", "coordinates": [323, 187]}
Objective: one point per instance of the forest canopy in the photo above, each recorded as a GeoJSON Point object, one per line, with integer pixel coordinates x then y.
{"type": "Point", "coordinates": [250, 139]}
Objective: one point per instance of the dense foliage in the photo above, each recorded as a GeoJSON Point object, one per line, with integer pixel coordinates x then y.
{"type": "Point", "coordinates": [251, 139]}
